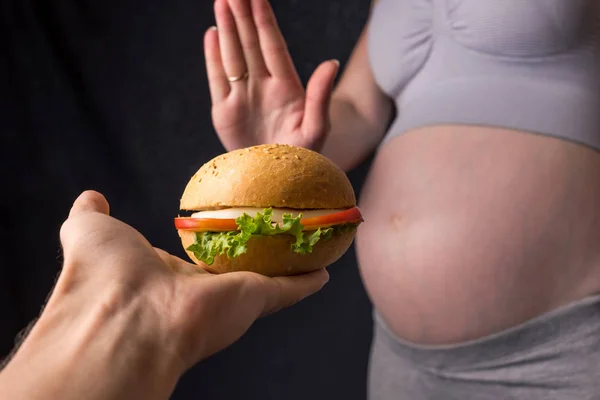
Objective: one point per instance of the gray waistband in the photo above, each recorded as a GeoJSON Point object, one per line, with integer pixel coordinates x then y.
{"type": "Point", "coordinates": [579, 321]}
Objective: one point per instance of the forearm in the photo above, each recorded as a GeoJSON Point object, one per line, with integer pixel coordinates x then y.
{"type": "Point", "coordinates": [359, 112]}
{"type": "Point", "coordinates": [105, 356]}
{"type": "Point", "coordinates": [352, 136]}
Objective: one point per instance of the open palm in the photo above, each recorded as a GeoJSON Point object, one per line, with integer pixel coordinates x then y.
{"type": "Point", "coordinates": [257, 96]}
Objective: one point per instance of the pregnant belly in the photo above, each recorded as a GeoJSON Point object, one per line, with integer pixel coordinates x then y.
{"type": "Point", "coordinates": [469, 231]}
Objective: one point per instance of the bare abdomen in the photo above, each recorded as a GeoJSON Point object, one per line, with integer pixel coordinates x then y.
{"type": "Point", "coordinates": [472, 230]}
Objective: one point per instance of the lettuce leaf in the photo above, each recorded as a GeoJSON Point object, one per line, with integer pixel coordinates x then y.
{"type": "Point", "coordinates": [208, 245]}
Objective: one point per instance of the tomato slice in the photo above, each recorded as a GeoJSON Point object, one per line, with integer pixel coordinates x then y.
{"type": "Point", "coordinates": [351, 215]}
{"type": "Point", "coordinates": [205, 224]}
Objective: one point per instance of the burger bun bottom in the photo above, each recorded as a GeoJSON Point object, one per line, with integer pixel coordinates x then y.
{"type": "Point", "coordinates": [272, 255]}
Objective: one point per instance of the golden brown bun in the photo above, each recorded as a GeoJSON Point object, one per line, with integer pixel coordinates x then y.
{"type": "Point", "coordinates": [272, 255]}
{"type": "Point", "coordinates": [272, 175]}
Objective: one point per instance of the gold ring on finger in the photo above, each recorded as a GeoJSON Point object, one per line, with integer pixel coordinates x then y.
{"type": "Point", "coordinates": [238, 78]}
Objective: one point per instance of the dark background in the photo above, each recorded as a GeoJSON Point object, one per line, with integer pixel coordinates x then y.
{"type": "Point", "coordinates": [112, 95]}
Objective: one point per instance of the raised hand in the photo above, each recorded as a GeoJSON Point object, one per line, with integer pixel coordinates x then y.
{"type": "Point", "coordinates": [257, 96]}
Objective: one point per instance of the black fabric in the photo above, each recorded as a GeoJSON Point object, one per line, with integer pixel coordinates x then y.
{"type": "Point", "coordinates": [113, 96]}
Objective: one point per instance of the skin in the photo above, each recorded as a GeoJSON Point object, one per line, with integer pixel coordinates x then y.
{"type": "Point", "coordinates": [126, 320]}
{"type": "Point", "coordinates": [468, 230]}
{"type": "Point", "coordinates": [272, 106]}
{"type": "Point", "coordinates": [476, 229]}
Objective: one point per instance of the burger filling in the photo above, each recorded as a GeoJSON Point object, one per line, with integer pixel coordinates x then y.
{"type": "Point", "coordinates": [227, 231]}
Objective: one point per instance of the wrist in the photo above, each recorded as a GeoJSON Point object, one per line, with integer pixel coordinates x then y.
{"type": "Point", "coordinates": [110, 351]}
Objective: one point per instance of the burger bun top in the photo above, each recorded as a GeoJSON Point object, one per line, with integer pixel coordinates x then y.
{"type": "Point", "coordinates": [274, 175]}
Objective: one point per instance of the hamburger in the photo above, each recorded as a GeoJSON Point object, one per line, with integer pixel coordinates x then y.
{"type": "Point", "coordinates": [271, 209]}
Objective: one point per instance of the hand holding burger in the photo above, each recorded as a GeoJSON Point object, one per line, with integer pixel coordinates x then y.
{"type": "Point", "coordinates": [125, 320]}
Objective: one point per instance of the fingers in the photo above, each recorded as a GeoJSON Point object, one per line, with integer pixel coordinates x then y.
{"type": "Point", "coordinates": [89, 201]}
{"type": "Point", "coordinates": [242, 14]}
{"type": "Point", "coordinates": [217, 78]}
{"type": "Point", "coordinates": [232, 55]}
{"type": "Point", "coordinates": [259, 295]}
{"type": "Point", "coordinates": [318, 95]}
{"type": "Point", "coordinates": [223, 306]}
{"type": "Point", "coordinates": [283, 292]}
{"type": "Point", "coordinates": [273, 46]}
{"type": "Point", "coordinates": [248, 40]}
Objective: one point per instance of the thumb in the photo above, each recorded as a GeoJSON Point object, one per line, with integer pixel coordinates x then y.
{"type": "Point", "coordinates": [318, 95]}
{"type": "Point", "coordinates": [90, 201]}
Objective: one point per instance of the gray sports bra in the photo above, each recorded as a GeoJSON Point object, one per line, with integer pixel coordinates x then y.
{"type": "Point", "coordinates": [530, 65]}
